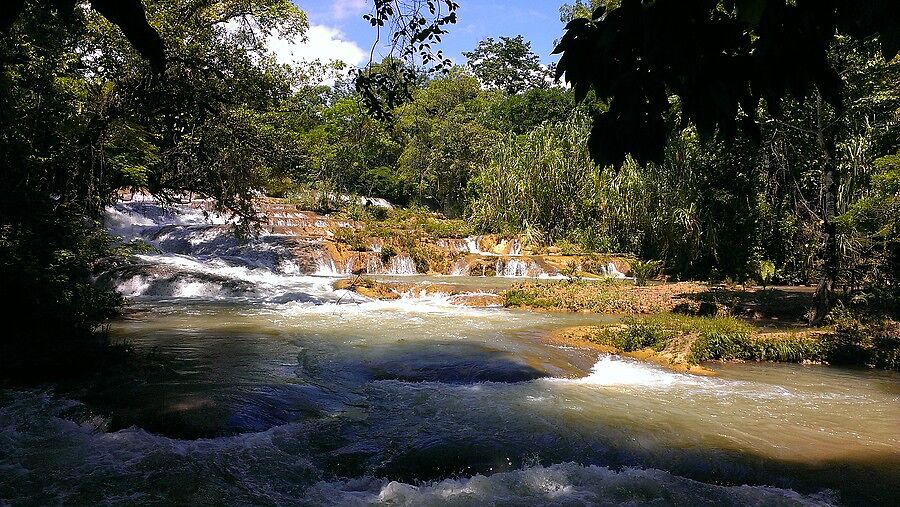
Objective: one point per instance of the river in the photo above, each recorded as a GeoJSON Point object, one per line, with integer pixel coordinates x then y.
{"type": "Point", "coordinates": [266, 386]}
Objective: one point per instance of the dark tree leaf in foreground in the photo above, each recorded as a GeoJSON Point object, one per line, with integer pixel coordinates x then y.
{"type": "Point", "coordinates": [719, 58]}
{"type": "Point", "coordinates": [128, 15]}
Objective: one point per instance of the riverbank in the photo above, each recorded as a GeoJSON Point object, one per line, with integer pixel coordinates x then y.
{"type": "Point", "coordinates": [680, 325]}
{"type": "Point", "coordinates": [684, 343]}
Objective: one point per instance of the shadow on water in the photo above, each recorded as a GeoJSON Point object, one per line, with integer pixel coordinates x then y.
{"type": "Point", "coordinates": [222, 385]}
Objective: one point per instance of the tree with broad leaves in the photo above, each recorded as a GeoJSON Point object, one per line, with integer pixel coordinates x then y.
{"type": "Point", "coordinates": [128, 15]}
{"type": "Point", "coordinates": [584, 9]}
{"type": "Point", "coordinates": [507, 64]}
{"type": "Point", "coordinates": [723, 60]}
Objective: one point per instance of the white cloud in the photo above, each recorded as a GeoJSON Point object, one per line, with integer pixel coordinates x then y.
{"type": "Point", "coordinates": [322, 43]}
{"type": "Point", "coordinates": [341, 9]}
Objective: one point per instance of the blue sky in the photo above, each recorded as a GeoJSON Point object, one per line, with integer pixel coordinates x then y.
{"type": "Point", "coordinates": [338, 30]}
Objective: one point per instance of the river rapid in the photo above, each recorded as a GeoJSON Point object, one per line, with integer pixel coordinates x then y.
{"type": "Point", "coordinates": [264, 385]}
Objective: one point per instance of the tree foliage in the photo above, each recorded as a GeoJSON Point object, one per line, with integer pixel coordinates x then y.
{"type": "Point", "coordinates": [507, 64]}
{"type": "Point", "coordinates": [83, 114]}
{"type": "Point", "coordinates": [415, 28]}
{"type": "Point", "coordinates": [720, 58]}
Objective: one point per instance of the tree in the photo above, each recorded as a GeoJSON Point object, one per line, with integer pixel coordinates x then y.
{"type": "Point", "coordinates": [580, 9]}
{"type": "Point", "coordinates": [83, 114]}
{"type": "Point", "coordinates": [128, 15]}
{"type": "Point", "coordinates": [415, 27]}
{"type": "Point", "coordinates": [722, 60]}
{"type": "Point", "coordinates": [447, 132]}
{"type": "Point", "coordinates": [524, 112]}
{"type": "Point", "coordinates": [507, 64]}
{"type": "Point", "coordinates": [203, 110]}
{"type": "Point", "coordinates": [387, 85]}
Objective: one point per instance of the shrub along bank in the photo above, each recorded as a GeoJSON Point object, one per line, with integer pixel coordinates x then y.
{"type": "Point", "coordinates": [691, 339]}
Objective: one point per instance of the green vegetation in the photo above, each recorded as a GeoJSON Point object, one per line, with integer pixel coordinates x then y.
{"type": "Point", "coordinates": [595, 296]}
{"type": "Point", "coordinates": [416, 220]}
{"type": "Point", "coordinates": [196, 103]}
{"type": "Point", "coordinates": [636, 335]}
{"type": "Point", "coordinates": [644, 270]}
{"type": "Point", "coordinates": [734, 80]}
{"type": "Point", "coordinates": [745, 348]}
{"type": "Point", "coordinates": [508, 64]}
{"type": "Point", "coordinates": [82, 114]}
{"type": "Point", "coordinates": [847, 342]}
{"type": "Point", "coordinates": [526, 299]}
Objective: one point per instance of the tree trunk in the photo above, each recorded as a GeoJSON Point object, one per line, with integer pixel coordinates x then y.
{"type": "Point", "coordinates": [823, 299]}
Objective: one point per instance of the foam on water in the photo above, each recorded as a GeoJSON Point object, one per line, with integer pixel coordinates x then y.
{"type": "Point", "coordinates": [622, 373]}
{"type": "Point", "coordinates": [616, 371]}
{"type": "Point", "coordinates": [89, 465]}
{"type": "Point", "coordinates": [561, 484]}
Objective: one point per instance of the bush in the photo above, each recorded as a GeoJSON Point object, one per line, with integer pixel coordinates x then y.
{"type": "Point", "coordinates": [525, 299]}
{"type": "Point", "coordinates": [764, 271]}
{"type": "Point", "coordinates": [862, 342]}
{"type": "Point", "coordinates": [642, 334]}
{"type": "Point", "coordinates": [387, 252]}
{"type": "Point", "coordinates": [644, 270]}
{"type": "Point", "coordinates": [353, 239]}
{"type": "Point", "coordinates": [47, 263]}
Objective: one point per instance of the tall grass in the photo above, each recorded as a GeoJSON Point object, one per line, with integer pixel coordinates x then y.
{"type": "Point", "coordinates": [546, 180]}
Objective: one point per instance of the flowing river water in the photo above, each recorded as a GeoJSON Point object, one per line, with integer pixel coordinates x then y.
{"type": "Point", "coordinates": [269, 387]}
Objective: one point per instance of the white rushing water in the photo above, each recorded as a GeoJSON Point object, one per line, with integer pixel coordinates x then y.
{"type": "Point", "coordinates": [402, 265]}
{"type": "Point", "coordinates": [265, 385]}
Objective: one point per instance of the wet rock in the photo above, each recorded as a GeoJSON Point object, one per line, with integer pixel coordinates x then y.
{"type": "Point", "coordinates": [368, 288]}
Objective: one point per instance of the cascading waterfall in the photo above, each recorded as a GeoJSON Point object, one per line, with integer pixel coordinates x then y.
{"type": "Point", "coordinates": [612, 272]}
{"type": "Point", "coordinates": [402, 265]}
{"type": "Point", "coordinates": [472, 245]}
{"type": "Point", "coordinates": [461, 267]}
{"type": "Point", "coordinates": [300, 243]}
{"type": "Point", "coordinates": [519, 268]}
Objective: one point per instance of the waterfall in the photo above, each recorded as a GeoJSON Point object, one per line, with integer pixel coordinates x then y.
{"type": "Point", "coordinates": [472, 245]}
{"type": "Point", "coordinates": [402, 265]}
{"type": "Point", "coordinates": [613, 272]}
{"type": "Point", "coordinates": [326, 266]}
{"type": "Point", "coordinates": [515, 247]}
{"type": "Point", "coordinates": [517, 268]}
{"type": "Point", "coordinates": [374, 266]}
{"type": "Point", "coordinates": [460, 268]}
{"type": "Point", "coordinates": [453, 245]}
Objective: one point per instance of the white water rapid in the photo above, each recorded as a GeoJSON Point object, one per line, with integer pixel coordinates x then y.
{"type": "Point", "coordinates": [256, 383]}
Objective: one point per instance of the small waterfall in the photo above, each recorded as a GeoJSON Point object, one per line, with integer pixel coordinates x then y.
{"type": "Point", "coordinates": [515, 247]}
{"type": "Point", "coordinates": [453, 245]}
{"type": "Point", "coordinates": [613, 272]}
{"type": "Point", "coordinates": [402, 265]}
{"type": "Point", "coordinates": [512, 268]}
{"type": "Point", "coordinates": [461, 267]}
{"type": "Point", "coordinates": [374, 266]}
{"type": "Point", "coordinates": [327, 267]}
{"type": "Point", "coordinates": [472, 245]}
{"type": "Point", "coordinates": [518, 268]}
